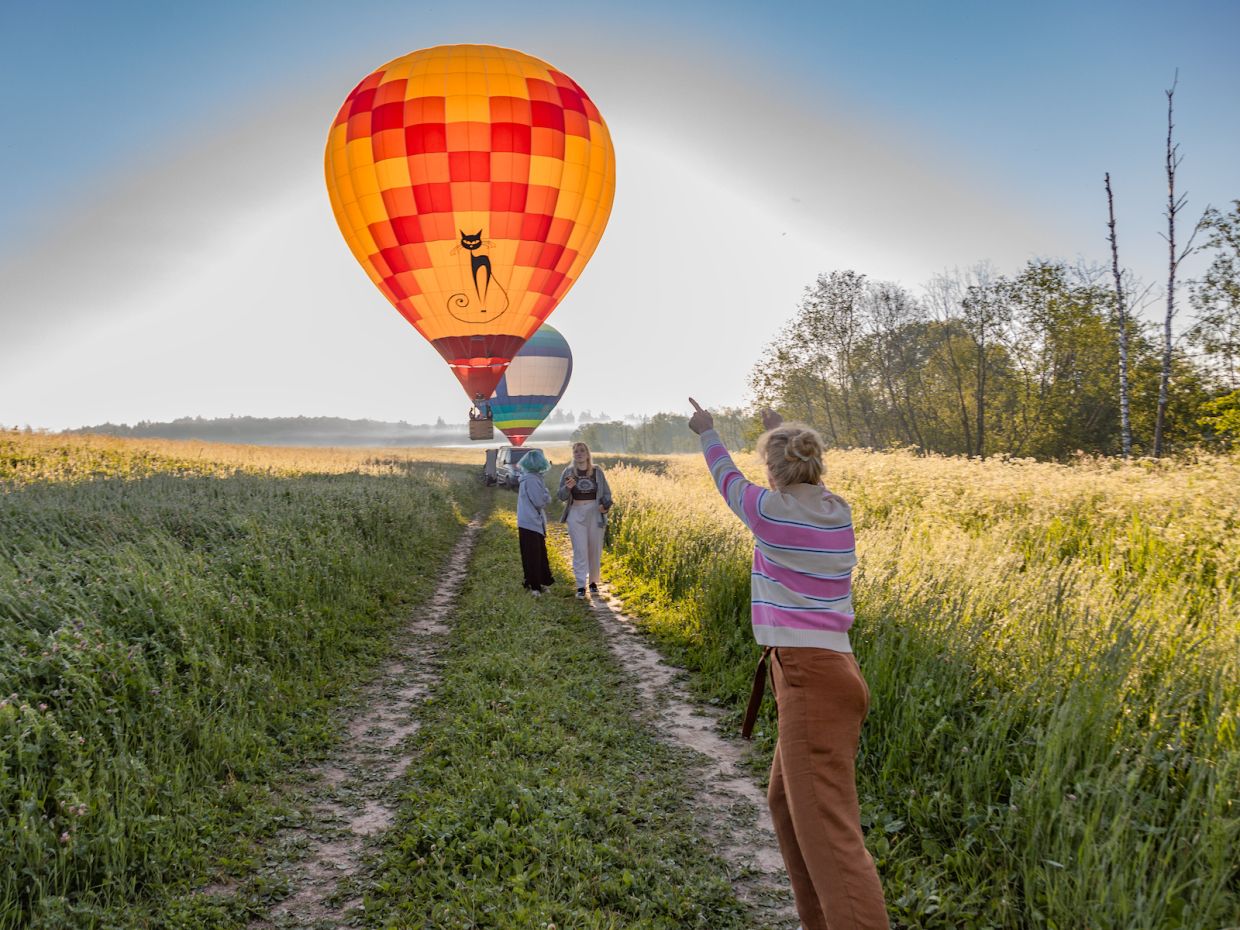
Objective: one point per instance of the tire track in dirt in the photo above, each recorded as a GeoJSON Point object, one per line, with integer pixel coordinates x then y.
{"type": "Point", "coordinates": [733, 808]}
{"type": "Point", "coordinates": [354, 789]}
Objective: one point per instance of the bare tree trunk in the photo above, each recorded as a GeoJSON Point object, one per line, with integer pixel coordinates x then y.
{"type": "Point", "coordinates": [947, 302]}
{"type": "Point", "coordinates": [809, 406]}
{"type": "Point", "coordinates": [866, 407]}
{"type": "Point", "coordinates": [854, 434]}
{"type": "Point", "coordinates": [826, 407]}
{"type": "Point", "coordinates": [1174, 205]}
{"type": "Point", "coordinates": [1121, 311]}
{"type": "Point", "coordinates": [912, 416]}
{"type": "Point", "coordinates": [960, 398]}
{"type": "Point", "coordinates": [981, 401]}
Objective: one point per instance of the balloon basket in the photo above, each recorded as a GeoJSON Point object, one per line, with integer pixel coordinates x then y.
{"type": "Point", "coordinates": [482, 428]}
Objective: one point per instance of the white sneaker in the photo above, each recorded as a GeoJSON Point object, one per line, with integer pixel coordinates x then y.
{"type": "Point", "coordinates": [535, 593]}
{"type": "Point", "coordinates": [581, 594]}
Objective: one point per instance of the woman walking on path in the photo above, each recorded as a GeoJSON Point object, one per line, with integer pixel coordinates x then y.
{"type": "Point", "coordinates": [804, 554]}
{"type": "Point", "coordinates": [584, 486]}
{"type": "Point", "coordinates": [532, 500]}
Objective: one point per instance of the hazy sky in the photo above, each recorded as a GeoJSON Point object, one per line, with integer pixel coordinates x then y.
{"type": "Point", "coordinates": [167, 248]}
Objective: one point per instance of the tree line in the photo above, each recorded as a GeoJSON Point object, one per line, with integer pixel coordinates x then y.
{"type": "Point", "coordinates": [979, 363]}
{"type": "Point", "coordinates": [665, 433]}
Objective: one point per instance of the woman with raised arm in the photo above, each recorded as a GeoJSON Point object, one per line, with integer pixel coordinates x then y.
{"type": "Point", "coordinates": [804, 554]}
{"type": "Point", "coordinates": [584, 488]}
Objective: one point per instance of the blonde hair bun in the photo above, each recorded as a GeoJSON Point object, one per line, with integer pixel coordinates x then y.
{"type": "Point", "coordinates": [793, 454]}
{"type": "Point", "coordinates": [803, 446]}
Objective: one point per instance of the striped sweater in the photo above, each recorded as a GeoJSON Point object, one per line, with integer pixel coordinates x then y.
{"type": "Point", "coordinates": [802, 558]}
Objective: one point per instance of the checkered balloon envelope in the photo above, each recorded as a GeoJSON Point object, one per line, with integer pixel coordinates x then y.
{"type": "Point", "coordinates": [472, 183]}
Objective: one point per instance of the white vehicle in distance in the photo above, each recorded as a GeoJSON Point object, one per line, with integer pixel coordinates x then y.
{"type": "Point", "coordinates": [507, 457]}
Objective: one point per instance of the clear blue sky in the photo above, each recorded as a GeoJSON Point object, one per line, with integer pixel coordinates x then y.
{"type": "Point", "coordinates": [1015, 107]}
{"type": "Point", "coordinates": [1044, 86]}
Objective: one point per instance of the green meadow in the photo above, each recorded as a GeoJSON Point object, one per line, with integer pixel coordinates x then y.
{"type": "Point", "coordinates": [1053, 653]}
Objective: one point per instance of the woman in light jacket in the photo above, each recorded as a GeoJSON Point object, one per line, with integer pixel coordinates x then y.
{"type": "Point", "coordinates": [584, 487]}
{"type": "Point", "coordinates": [532, 500]}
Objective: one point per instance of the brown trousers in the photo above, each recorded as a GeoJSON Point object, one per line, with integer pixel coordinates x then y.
{"type": "Point", "coordinates": [822, 699]}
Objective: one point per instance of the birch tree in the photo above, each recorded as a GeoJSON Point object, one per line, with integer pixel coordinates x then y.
{"type": "Point", "coordinates": [1121, 319]}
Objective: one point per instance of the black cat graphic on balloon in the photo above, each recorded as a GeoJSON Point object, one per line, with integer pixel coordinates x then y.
{"type": "Point", "coordinates": [484, 298]}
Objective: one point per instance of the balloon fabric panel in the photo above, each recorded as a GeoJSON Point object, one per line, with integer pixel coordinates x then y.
{"type": "Point", "coordinates": [537, 376]}
{"type": "Point", "coordinates": [472, 184]}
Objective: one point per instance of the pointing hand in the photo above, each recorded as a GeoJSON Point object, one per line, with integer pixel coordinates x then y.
{"type": "Point", "coordinates": [701, 420]}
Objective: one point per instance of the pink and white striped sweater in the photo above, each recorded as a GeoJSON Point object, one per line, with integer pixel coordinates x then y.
{"type": "Point", "coordinates": [802, 558]}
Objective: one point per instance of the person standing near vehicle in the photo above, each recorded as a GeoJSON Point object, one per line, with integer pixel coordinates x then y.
{"type": "Point", "coordinates": [532, 500]}
{"type": "Point", "coordinates": [584, 486]}
{"type": "Point", "coordinates": [804, 554]}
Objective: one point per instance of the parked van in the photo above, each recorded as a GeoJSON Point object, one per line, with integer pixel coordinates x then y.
{"type": "Point", "coordinates": [506, 473]}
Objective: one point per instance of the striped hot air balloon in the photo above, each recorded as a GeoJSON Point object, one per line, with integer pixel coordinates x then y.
{"type": "Point", "coordinates": [472, 183]}
{"type": "Point", "coordinates": [532, 385]}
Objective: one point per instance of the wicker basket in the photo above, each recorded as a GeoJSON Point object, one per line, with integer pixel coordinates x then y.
{"type": "Point", "coordinates": [482, 428]}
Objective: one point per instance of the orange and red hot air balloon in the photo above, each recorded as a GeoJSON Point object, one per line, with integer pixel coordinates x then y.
{"type": "Point", "coordinates": [472, 183]}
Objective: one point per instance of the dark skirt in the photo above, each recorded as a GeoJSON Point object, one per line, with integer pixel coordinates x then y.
{"type": "Point", "coordinates": [534, 559]}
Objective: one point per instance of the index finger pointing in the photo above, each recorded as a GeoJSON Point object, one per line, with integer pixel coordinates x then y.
{"type": "Point", "coordinates": [695, 405]}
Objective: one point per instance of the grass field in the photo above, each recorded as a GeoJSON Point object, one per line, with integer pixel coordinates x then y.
{"type": "Point", "coordinates": [1053, 653]}
{"type": "Point", "coordinates": [177, 622]}
{"type": "Point", "coordinates": [1054, 657]}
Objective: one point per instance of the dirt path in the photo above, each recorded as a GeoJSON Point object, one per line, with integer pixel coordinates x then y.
{"type": "Point", "coordinates": [743, 835]}
{"type": "Point", "coordinates": [353, 796]}
{"type": "Point", "coordinates": [353, 789]}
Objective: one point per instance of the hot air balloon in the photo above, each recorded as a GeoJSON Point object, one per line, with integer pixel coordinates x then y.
{"type": "Point", "coordinates": [532, 385]}
{"type": "Point", "coordinates": [472, 183]}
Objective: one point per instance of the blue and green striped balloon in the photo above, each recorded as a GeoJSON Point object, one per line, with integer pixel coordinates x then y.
{"type": "Point", "coordinates": [532, 385]}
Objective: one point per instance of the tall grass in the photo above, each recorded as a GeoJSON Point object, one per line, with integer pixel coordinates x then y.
{"type": "Point", "coordinates": [40, 457]}
{"type": "Point", "coordinates": [1054, 659]}
{"type": "Point", "coordinates": [174, 624]}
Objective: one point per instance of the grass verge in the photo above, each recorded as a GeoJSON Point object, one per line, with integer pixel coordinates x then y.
{"type": "Point", "coordinates": [167, 645]}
